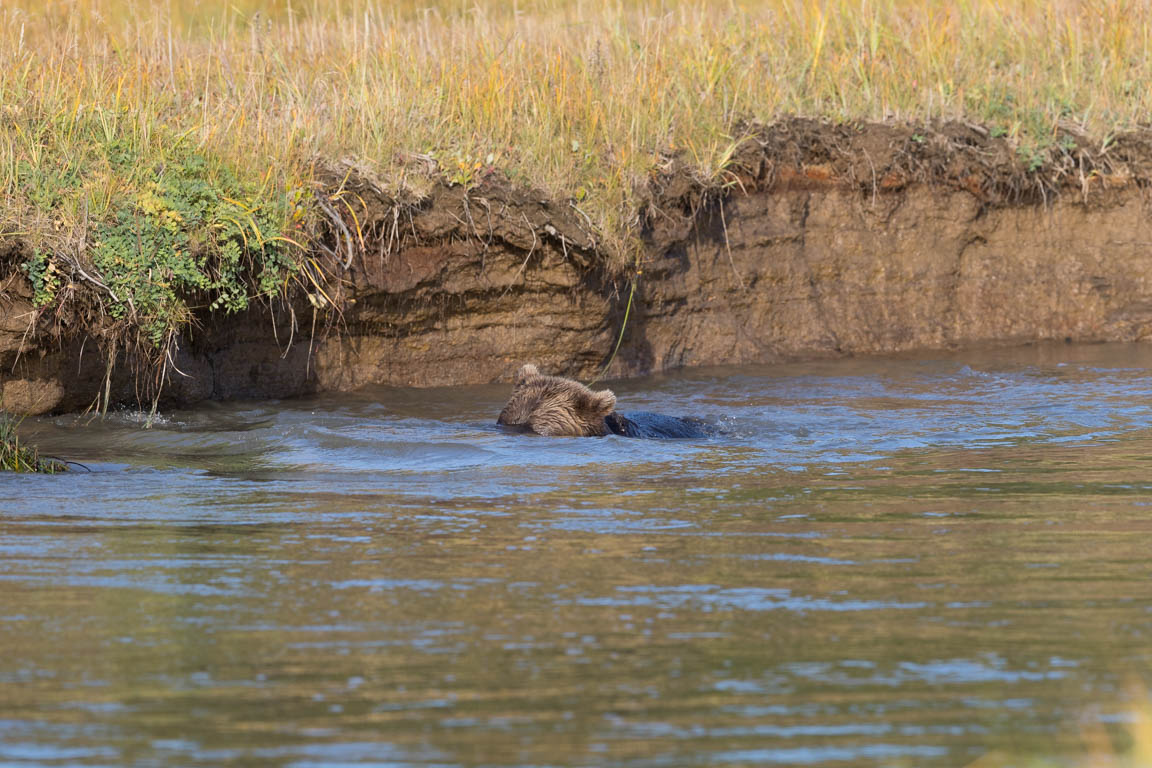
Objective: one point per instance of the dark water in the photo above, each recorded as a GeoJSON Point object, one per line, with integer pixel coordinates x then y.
{"type": "Point", "coordinates": [902, 562]}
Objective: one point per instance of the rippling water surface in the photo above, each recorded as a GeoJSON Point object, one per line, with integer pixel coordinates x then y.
{"type": "Point", "coordinates": [898, 562]}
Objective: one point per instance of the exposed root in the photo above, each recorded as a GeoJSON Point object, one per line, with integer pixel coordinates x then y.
{"type": "Point", "coordinates": [335, 219]}
{"type": "Point", "coordinates": [728, 247]}
{"type": "Point", "coordinates": [108, 381]}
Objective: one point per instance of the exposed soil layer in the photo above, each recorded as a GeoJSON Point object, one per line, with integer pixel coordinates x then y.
{"type": "Point", "coordinates": [823, 241]}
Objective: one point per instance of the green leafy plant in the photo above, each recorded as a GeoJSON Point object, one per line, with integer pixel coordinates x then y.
{"type": "Point", "coordinates": [192, 230]}
{"type": "Point", "coordinates": [45, 278]}
{"type": "Point", "coordinates": [1032, 155]}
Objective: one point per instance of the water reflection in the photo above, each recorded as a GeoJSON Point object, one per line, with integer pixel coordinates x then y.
{"type": "Point", "coordinates": [879, 563]}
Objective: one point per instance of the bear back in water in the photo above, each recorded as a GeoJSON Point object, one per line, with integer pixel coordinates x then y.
{"type": "Point", "coordinates": [552, 405]}
{"type": "Point", "coordinates": [646, 424]}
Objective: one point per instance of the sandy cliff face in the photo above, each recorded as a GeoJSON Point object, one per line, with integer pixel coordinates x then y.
{"type": "Point", "coordinates": [799, 259]}
{"type": "Point", "coordinates": [806, 273]}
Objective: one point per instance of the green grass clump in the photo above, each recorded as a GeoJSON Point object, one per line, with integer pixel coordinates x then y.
{"type": "Point", "coordinates": [15, 457]}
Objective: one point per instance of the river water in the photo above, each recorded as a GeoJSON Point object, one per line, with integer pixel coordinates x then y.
{"type": "Point", "coordinates": [903, 562]}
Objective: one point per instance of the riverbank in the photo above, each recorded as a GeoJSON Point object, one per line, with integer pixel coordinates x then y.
{"type": "Point", "coordinates": [832, 240]}
{"type": "Point", "coordinates": [378, 212]}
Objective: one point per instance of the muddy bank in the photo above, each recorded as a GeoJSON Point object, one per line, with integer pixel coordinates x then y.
{"type": "Point", "coordinates": [825, 241]}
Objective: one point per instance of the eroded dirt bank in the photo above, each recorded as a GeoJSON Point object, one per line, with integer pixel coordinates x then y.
{"type": "Point", "coordinates": [826, 241]}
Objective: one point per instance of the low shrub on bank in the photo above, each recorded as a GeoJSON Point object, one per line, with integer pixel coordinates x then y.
{"type": "Point", "coordinates": [15, 457]}
{"type": "Point", "coordinates": [181, 227]}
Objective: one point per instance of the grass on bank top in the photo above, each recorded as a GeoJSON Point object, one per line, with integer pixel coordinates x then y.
{"type": "Point", "coordinates": [161, 150]}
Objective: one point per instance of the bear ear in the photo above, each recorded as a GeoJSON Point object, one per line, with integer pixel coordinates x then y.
{"type": "Point", "coordinates": [526, 372]}
{"type": "Point", "coordinates": [604, 401]}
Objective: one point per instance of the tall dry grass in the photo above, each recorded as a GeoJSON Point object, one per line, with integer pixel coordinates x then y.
{"type": "Point", "coordinates": [582, 98]}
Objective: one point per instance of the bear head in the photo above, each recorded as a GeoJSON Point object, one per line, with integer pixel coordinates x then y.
{"type": "Point", "coordinates": [551, 405]}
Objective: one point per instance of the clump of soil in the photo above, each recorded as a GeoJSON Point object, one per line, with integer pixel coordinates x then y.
{"type": "Point", "coordinates": [879, 158]}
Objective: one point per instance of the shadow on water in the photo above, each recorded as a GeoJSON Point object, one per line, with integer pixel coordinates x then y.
{"type": "Point", "coordinates": [886, 562]}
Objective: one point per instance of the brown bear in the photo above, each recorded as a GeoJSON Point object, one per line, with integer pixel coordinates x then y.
{"type": "Point", "coordinates": [551, 405]}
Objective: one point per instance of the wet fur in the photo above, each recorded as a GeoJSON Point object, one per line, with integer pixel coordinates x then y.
{"type": "Point", "coordinates": [551, 405]}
